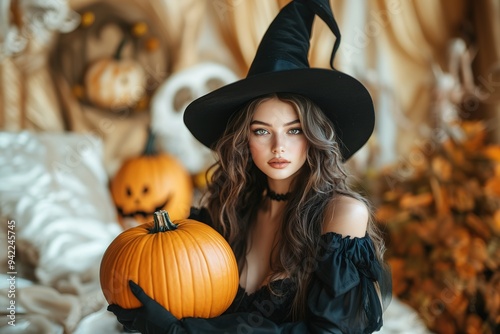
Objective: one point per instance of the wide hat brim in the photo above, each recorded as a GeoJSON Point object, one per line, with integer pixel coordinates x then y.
{"type": "Point", "coordinates": [342, 98]}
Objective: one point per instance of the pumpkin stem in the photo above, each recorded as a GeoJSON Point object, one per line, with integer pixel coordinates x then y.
{"type": "Point", "coordinates": [119, 49]}
{"type": "Point", "coordinates": [162, 222]}
{"type": "Point", "coordinates": [150, 143]}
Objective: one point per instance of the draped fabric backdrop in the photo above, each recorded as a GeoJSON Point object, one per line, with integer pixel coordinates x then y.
{"type": "Point", "coordinates": [391, 45]}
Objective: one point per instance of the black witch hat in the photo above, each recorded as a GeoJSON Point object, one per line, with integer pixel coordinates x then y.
{"type": "Point", "coordinates": [281, 65]}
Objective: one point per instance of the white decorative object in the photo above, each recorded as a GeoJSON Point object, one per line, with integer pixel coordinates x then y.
{"type": "Point", "coordinates": [167, 111]}
{"type": "Point", "coordinates": [36, 19]}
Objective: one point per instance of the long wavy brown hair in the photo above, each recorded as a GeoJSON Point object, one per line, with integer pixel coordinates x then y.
{"type": "Point", "coordinates": [236, 190]}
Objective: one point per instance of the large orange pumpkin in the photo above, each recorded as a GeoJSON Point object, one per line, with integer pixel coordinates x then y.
{"type": "Point", "coordinates": [184, 265]}
{"type": "Point", "coordinates": [149, 183]}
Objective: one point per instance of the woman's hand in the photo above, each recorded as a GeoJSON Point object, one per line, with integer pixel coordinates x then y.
{"type": "Point", "coordinates": [150, 318]}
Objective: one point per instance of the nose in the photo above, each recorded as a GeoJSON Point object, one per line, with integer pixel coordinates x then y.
{"type": "Point", "coordinates": [277, 150]}
{"type": "Point", "coordinates": [278, 145]}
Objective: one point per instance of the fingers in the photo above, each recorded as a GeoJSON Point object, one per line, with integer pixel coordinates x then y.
{"type": "Point", "coordinates": [114, 308]}
{"type": "Point", "coordinates": [123, 315]}
{"type": "Point", "coordinates": [134, 286]}
{"type": "Point", "coordinates": [139, 293]}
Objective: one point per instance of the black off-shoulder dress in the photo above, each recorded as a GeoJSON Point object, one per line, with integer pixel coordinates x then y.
{"type": "Point", "coordinates": [349, 291]}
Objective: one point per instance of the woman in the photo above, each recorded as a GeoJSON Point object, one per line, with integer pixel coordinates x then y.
{"type": "Point", "coordinates": [286, 181]}
{"type": "Point", "coordinates": [309, 255]}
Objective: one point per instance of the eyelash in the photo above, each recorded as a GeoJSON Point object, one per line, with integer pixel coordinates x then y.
{"type": "Point", "coordinates": [296, 131]}
{"type": "Point", "coordinates": [261, 132]}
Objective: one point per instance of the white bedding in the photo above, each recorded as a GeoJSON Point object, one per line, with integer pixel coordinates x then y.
{"type": "Point", "coordinates": [54, 186]}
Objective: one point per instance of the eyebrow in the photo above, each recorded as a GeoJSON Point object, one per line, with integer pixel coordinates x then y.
{"type": "Point", "coordinates": [267, 124]}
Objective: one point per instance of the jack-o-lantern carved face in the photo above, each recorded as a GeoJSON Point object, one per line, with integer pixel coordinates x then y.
{"type": "Point", "coordinates": [169, 103]}
{"type": "Point", "coordinates": [150, 183]}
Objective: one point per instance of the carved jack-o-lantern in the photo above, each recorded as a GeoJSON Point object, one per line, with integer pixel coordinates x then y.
{"type": "Point", "coordinates": [167, 110]}
{"type": "Point", "coordinates": [151, 182]}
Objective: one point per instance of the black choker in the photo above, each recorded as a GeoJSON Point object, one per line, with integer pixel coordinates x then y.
{"type": "Point", "coordinates": [278, 197]}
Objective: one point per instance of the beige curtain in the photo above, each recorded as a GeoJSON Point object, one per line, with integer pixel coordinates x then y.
{"type": "Point", "coordinates": [414, 38]}
{"type": "Point", "coordinates": [242, 24]}
{"type": "Point", "coordinates": [27, 95]}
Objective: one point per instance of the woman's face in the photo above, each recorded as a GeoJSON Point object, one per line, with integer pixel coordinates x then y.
{"type": "Point", "coordinates": [277, 143]}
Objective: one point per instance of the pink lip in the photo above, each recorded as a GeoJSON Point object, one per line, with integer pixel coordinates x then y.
{"type": "Point", "coordinates": [278, 163]}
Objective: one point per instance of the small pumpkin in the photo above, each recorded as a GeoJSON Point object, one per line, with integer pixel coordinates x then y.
{"type": "Point", "coordinates": [184, 265]}
{"type": "Point", "coordinates": [115, 83]}
{"type": "Point", "coordinates": [149, 183]}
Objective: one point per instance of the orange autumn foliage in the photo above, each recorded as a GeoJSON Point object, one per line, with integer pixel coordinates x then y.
{"type": "Point", "coordinates": [442, 218]}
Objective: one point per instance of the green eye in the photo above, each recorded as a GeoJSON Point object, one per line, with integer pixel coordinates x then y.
{"type": "Point", "coordinates": [295, 131]}
{"type": "Point", "coordinates": [260, 132]}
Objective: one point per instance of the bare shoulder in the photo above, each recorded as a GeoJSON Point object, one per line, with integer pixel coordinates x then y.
{"type": "Point", "coordinates": [346, 216]}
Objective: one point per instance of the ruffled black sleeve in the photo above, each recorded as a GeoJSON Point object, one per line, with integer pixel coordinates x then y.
{"type": "Point", "coordinates": [351, 288]}
{"type": "Point", "coordinates": [348, 293]}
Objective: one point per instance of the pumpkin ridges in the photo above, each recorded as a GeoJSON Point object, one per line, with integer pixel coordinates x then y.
{"type": "Point", "coordinates": [126, 260]}
{"type": "Point", "coordinates": [115, 285]}
{"type": "Point", "coordinates": [175, 276]}
{"type": "Point", "coordinates": [103, 276]}
{"type": "Point", "coordinates": [141, 241]}
{"type": "Point", "coordinates": [153, 251]}
{"type": "Point", "coordinates": [212, 283]}
{"type": "Point", "coordinates": [113, 288]}
{"type": "Point", "coordinates": [165, 248]}
{"type": "Point", "coordinates": [229, 295]}
{"type": "Point", "coordinates": [147, 245]}
{"type": "Point", "coordinates": [213, 288]}
{"type": "Point", "coordinates": [197, 287]}
{"type": "Point", "coordinates": [209, 261]}
{"type": "Point", "coordinates": [203, 270]}
{"type": "Point", "coordinates": [131, 260]}
{"type": "Point", "coordinates": [223, 260]}
{"type": "Point", "coordinates": [228, 261]}
{"type": "Point", "coordinates": [189, 258]}
{"type": "Point", "coordinates": [155, 269]}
